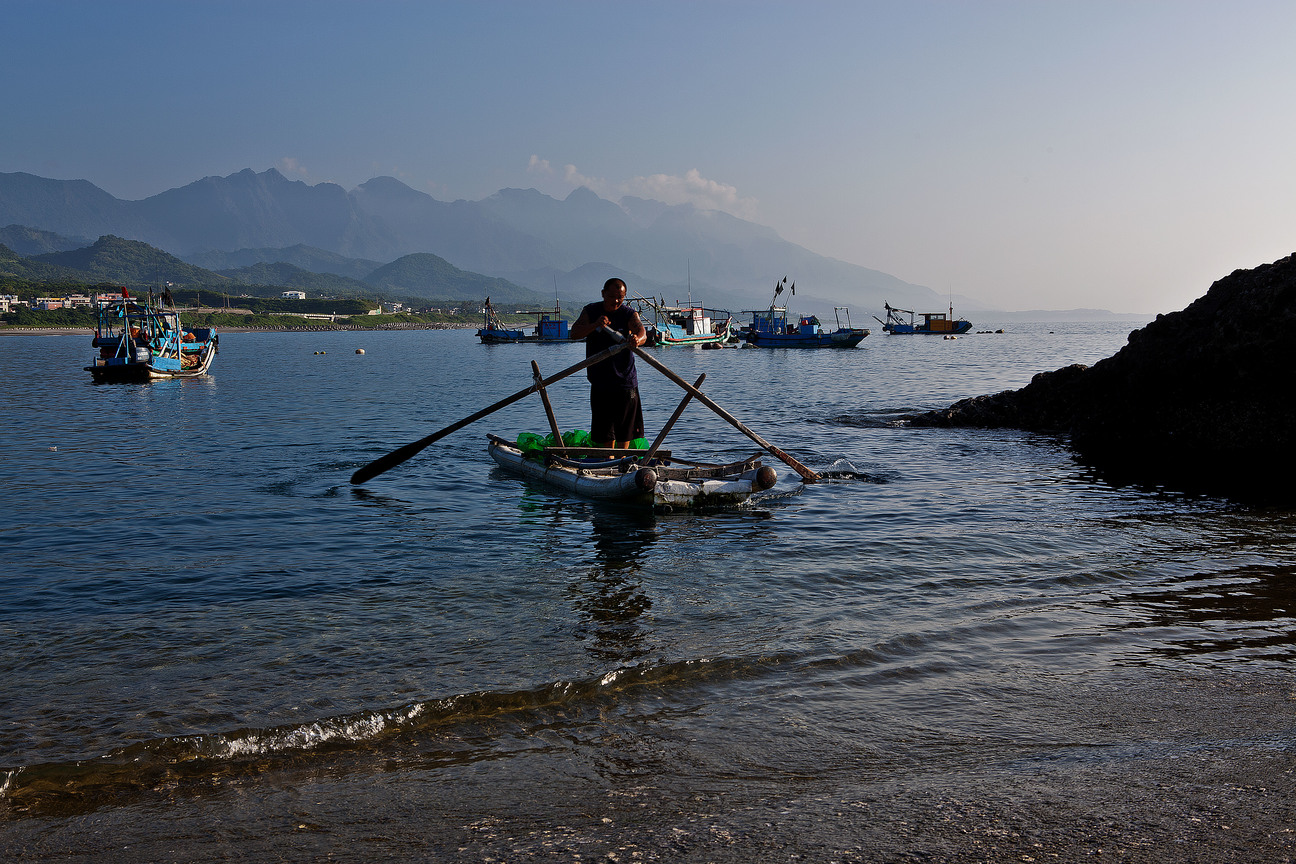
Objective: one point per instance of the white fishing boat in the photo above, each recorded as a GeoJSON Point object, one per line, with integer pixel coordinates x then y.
{"type": "Point", "coordinates": [658, 480]}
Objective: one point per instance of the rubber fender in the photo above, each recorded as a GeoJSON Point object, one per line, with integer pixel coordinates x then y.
{"type": "Point", "coordinates": [766, 477]}
{"type": "Point", "coordinates": [646, 479]}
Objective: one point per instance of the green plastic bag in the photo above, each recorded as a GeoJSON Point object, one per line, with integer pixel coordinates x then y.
{"type": "Point", "coordinates": [639, 444]}
{"type": "Point", "coordinates": [530, 443]}
{"type": "Point", "coordinates": [577, 438]}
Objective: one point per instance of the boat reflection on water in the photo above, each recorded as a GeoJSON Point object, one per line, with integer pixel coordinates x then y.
{"type": "Point", "coordinates": [609, 596]}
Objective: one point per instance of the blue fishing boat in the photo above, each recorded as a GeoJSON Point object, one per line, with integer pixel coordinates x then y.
{"type": "Point", "coordinates": [139, 340]}
{"type": "Point", "coordinates": [770, 328]}
{"type": "Point", "coordinates": [937, 323]}
{"type": "Point", "coordinates": [550, 327]}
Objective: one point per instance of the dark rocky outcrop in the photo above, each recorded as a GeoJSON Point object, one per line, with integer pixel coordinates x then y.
{"type": "Point", "coordinates": [1202, 400]}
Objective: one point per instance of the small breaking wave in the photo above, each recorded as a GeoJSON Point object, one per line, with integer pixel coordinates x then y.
{"type": "Point", "coordinates": [462, 727]}
{"type": "Point", "coordinates": [845, 471]}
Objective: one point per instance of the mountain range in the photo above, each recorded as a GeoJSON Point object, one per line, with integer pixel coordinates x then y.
{"type": "Point", "coordinates": [536, 247]}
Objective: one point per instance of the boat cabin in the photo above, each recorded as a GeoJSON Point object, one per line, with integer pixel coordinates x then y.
{"type": "Point", "coordinates": [551, 328]}
{"type": "Point", "coordinates": [937, 322]}
{"type": "Point", "coordinates": [689, 322]}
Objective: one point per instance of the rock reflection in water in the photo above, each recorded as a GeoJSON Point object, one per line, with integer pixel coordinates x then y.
{"type": "Point", "coordinates": [1247, 613]}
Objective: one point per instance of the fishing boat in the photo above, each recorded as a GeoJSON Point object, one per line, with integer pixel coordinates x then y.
{"type": "Point", "coordinates": [547, 329]}
{"type": "Point", "coordinates": [933, 322]}
{"type": "Point", "coordinates": [141, 341]}
{"type": "Point", "coordinates": [770, 328]}
{"type": "Point", "coordinates": [663, 482]}
{"type": "Point", "coordinates": [682, 325]}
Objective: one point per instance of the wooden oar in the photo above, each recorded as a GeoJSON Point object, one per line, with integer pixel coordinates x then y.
{"type": "Point", "coordinates": [661, 436]}
{"type": "Point", "coordinates": [806, 474]}
{"type": "Point", "coordinates": [544, 397]}
{"type": "Point", "coordinates": [396, 457]}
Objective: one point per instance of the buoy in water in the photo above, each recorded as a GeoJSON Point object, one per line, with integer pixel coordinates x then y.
{"type": "Point", "coordinates": [359, 350]}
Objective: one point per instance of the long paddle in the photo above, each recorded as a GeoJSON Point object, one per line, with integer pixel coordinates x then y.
{"type": "Point", "coordinates": [396, 457]}
{"type": "Point", "coordinates": [806, 474]}
{"type": "Point", "coordinates": [544, 397]}
{"type": "Point", "coordinates": [661, 436]}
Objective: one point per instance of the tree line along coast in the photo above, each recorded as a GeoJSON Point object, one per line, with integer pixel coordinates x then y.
{"type": "Point", "coordinates": [39, 307]}
{"type": "Point", "coordinates": [59, 290]}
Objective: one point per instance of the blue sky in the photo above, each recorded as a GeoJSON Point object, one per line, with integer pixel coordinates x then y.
{"type": "Point", "coordinates": [1034, 155]}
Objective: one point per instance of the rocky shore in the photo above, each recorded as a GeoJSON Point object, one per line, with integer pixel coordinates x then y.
{"type": "Point", "coordinates": [1202, 400]}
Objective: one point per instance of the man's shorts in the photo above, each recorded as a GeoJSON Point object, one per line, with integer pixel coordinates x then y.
{"type": "Point", "coordinates": [615, 415]}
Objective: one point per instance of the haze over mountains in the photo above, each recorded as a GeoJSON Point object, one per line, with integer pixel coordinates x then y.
{"type": "Point", "coordinates": [567, 247]}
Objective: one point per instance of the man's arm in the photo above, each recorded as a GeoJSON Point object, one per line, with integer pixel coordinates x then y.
{"type": "Point", "coordinates": [583, 326]}
{"type": "Point", "coordinates": [637, 331]}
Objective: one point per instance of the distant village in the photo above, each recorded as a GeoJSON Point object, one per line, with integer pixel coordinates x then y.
{"type": "Point", "coordinates": [9, 302]}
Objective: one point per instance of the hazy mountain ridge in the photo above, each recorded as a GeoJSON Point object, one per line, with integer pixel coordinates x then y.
{"type": "Point", "coordinates": [515, 231]}
{"type": "Point", "coordinates": [523, 236]}
{"type": "Point", "coordinates": [32, 241]}
{"type": "Point", "coordinates": [22, 267]}
{"type": "Point", "coordinates": [302, 256]}
{"type": "Point", "coordinates": [112, 259]}
{"type": "Point", "coordinates": [284, 275]}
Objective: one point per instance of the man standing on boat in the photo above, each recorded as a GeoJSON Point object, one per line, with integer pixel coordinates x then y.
{"type": "Point", "coordinates": [616, 417]}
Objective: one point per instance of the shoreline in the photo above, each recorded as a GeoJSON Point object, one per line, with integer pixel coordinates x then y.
{"type": "Point", "coordinates": [77, 331]}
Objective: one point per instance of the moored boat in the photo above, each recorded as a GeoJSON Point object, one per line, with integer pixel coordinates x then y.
{"type": "Point", "coordinates": [663, 482]}
{"type": "Point", "coordinates": [140, 341]}
{"type": "Point", "coordinates": [682, 325]}
{"type": "Point", "coordinates": [550, 327]}
{"type": "Point", "coordinates": [937, 323]}
{"type": "Point", "coordinates": [770, 328]}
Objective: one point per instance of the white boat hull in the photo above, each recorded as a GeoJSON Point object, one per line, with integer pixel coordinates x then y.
{"type": "Point", "coordinates": [638, 485]}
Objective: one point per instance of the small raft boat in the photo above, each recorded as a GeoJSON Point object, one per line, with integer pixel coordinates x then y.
{"type": "Point", "coordinates": [664, 482]}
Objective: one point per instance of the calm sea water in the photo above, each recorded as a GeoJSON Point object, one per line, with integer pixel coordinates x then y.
{"type": "Point", "coordinates": [214, 646]}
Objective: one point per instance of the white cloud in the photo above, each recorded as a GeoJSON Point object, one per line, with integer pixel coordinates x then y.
{"type": "Point", "coordinates": [693, 189]}
{"type": "Point", "coordinates": [289, 166]}
{"type": "Point", "coordinates": [538, 165]}
{"type": "Point", "coordinates": [671, 189]}
{"type": "Point", "coordinates": [596, 185]}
